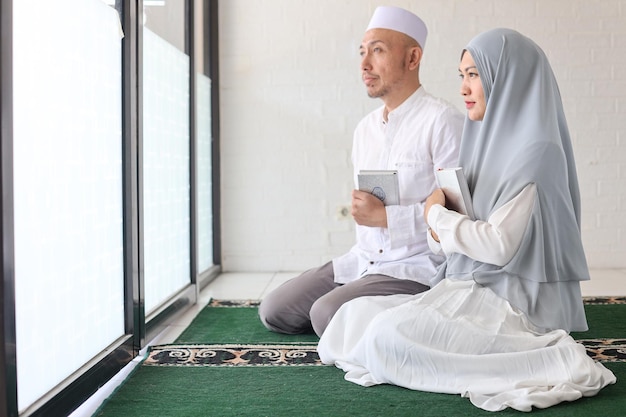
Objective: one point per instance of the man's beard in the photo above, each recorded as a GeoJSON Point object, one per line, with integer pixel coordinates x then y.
{"type": "Point", "coordinates": [378, 93]}
{"type": "Point", "coordinates": [384, 89]}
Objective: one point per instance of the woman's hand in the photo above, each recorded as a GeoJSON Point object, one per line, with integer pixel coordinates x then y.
{"type": "Point", "coordinates": [437, 197]}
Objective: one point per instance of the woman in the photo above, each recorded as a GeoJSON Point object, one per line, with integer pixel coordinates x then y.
{"type": "Point", "coordinates": [495, 325]}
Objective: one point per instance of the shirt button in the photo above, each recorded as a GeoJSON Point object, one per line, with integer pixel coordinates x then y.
{"type": "Point", "coordinates": [371, 262]}
{"type": "Point", "coordinates": [380, 251]}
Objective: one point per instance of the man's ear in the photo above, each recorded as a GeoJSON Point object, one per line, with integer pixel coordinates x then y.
{"type": "Point", "coordinates": [415, 57]}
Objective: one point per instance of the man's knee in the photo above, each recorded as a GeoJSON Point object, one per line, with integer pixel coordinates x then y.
{"type": "Point", "coordinates": [322, 311]}
{"type": "Point", "coordinates": [269, 315]}
{"type": "Point", "coordinates": [281, 317]}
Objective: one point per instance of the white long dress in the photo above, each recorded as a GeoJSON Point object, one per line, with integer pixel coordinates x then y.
{"type": "Point", "coordinates": [460, 338]}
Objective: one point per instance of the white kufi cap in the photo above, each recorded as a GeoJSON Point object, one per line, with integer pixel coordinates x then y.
{"type": "Point", "coordinates": [400, 20]}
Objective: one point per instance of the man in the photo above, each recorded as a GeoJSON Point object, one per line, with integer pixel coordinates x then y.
{"type": "Point", "coordinates": [413, 133]}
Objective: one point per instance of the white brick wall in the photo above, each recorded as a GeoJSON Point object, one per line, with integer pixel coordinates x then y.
{"type": "Point", "coordinates": [291, 96]}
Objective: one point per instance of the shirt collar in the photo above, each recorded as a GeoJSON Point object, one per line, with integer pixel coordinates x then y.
{"type": "Point", "coordinates": [405, 106]}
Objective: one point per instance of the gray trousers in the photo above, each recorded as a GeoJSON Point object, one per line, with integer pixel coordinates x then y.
{"type": "Point", "coordinates": [307, 302]}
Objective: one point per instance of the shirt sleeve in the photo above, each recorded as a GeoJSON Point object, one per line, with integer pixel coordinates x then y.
{"type": "Point", "coordinates": [447, 139]}
{"type": "Point", "coordinates": [406, 223]}
{"type": "Point", "coordinates": [494, 241]}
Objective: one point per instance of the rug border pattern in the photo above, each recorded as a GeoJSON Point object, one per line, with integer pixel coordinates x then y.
{"type": "Point", "coordinates": [230, 355]}
{"type": "Point", "coordinates": [305, 353]}
{"type": "Point", "coordinates": [588, 300]}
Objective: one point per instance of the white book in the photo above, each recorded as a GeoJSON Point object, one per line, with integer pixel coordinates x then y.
{"type": "Point", "coordinates": [381, 183]}
{"type": "Point", "coordinates": [454, 185]}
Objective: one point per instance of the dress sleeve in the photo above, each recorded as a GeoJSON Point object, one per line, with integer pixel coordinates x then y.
{"type": "Point", "coordinates": [494, 241]}
{"type": "Point", "coordinates": [433, 245]}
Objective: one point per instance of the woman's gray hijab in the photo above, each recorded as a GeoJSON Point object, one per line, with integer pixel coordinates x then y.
{"type": "Point", "coordinates": [522, 139]}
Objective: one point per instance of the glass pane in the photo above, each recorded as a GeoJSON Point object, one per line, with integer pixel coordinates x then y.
{"type": "Point", "coordinates": [204, 168]}
{"type": "Point", "coordinates": [68, 188]}
{"type": "Point", "coordinates": [166, 161]}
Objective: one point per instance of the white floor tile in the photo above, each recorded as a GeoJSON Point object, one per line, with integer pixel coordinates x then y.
{"type": "Point", "coordinates": [238, 286]}
{"type": "Point", "coordinates": [278, 279]}
{"type": "Point", "coordinates": [605, 282]}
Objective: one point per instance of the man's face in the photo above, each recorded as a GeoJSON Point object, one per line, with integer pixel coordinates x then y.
{"type": "Point", "coordinates": [383, 61]}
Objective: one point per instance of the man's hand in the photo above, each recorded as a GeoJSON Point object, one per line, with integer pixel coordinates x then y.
{"type": "Point", "coordinates": [368, 210]}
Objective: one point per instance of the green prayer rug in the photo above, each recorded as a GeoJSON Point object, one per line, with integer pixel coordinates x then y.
{"type": "Point", "coordinates": [226, 321]}
{"type": "Point", "coordinates": [237, 323]}
{"type": "Point", "coordinates": [303, 391]}
{"type": "Point", "coordinates": [227, 364]}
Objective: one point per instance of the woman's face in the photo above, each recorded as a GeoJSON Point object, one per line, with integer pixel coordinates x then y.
{"type": "Point", "coordinates": [472, 88]}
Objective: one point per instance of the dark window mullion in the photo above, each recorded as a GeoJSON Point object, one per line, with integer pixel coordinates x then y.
{"type": "Point", "coordinates": [8, 364]}
{"type": "Point", "coordinates": [190, 11]}
{"type": "Point", "coordinates": [132, 150]}
{"type": "Point", "coordinates": [213, 71]}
